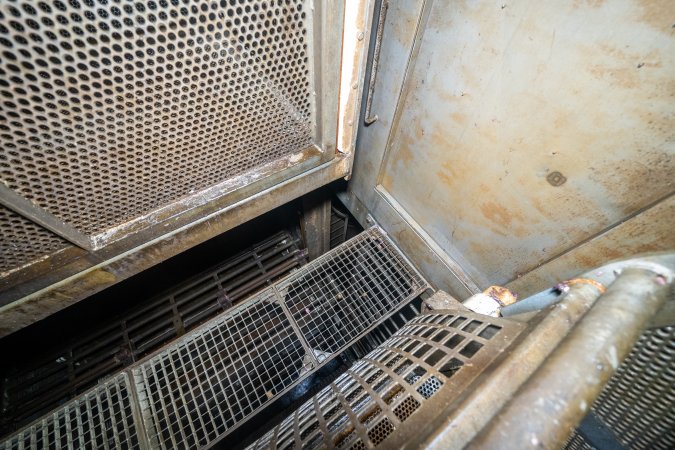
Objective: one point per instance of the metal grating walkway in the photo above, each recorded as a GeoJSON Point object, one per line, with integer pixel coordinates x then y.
{"type": "Point", "coordinates": [105, 417]}
{"type": "Point", "coordinates": [204, 385]}
{"type": "Point", "coordinates": [372, 400]}
{"type": "Point", "coordinates": [28, 390]}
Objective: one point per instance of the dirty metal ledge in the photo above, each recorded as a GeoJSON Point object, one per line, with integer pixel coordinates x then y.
{"type": "Point", "coordinates": [44, 295]}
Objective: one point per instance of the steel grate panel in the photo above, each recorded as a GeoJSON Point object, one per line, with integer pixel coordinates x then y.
{"type": "Point", "coordinates": [637, 402]}
{"type": "Point", "coordinates": [103, 418]}
{"type": "Point", "coordinates": [31, 390]}
{"type": "Point", "coordinates": [228, 395]}
{"type": "Point", "coordinates": [364, 406]}
{"type": "Point", "coordinates": [171, 97]}
{"type": "Point", "coordinates": [577, 442]}
{"type": "Point", "coordinates": [194, 391]}
{"type": "Point", "coordinates": [337, 297]}
{"type": "Point", "coordinates": [203, 386]}
{"type": "Point", "coordinates": [22, 241]}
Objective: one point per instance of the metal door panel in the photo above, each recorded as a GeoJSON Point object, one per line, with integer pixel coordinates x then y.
{"type": "Point", "coordinates": [521, 132]}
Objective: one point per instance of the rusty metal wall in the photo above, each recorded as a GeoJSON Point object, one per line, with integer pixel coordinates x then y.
{"type": "Point", "coordinates": [515, 137]}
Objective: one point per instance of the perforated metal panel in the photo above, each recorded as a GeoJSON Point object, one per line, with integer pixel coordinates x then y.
{"type": "Point", "coordinates": [379, 393]}
{"type": "Point", "coordinates": [103, 418]}
{"type": "Point", "coordinates": [22, 241]}
{"type": "Point", "coordinates": [110, 109]}
{"type": "Point", "coordinates": [638, 403]}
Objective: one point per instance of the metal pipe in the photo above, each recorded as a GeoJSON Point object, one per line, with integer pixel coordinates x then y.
{"type": "Point", "coordinates": [558, 395]}
{"type": "Point", "coordinates": [532, 303]}
{"type": "Point", "coordinates": [462, 421]}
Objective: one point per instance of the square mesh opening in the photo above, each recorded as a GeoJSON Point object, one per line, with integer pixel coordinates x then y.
{"type": "Point", "coordinates": [334, 300]}
{"type": "Point", "coordinates": [101, 418]}
{"type": "Point", "coordinates": [381, 391]}
{"type": "Point", "coordinates": [206, 384]}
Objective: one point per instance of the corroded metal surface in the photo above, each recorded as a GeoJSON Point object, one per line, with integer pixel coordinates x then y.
{"type": "Point", "coordinates": [62, 286]}
{"type": "Point", "coordinates": [531, 137]}
{"type": "Point", "coordinates": [139, 110]}
{"type": "Point", "coordinates": [154, 117]}
{"type": "Point", "coordinates": [646, 232]}
{"type": "Point", "coordinates": [24, 242]}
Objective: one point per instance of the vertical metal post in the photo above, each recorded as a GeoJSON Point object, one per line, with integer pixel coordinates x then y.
{"type": "Point", "coordinates": [315, 222]}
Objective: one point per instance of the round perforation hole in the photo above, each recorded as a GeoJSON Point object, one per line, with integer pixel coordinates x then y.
{"type": "Point", "coordinates": [110, 110]}
{"type": "Point", "coordinates": [23, 241]}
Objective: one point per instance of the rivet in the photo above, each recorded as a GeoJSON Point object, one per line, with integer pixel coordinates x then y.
{"type": "Point", "coordinates": [556, 179]}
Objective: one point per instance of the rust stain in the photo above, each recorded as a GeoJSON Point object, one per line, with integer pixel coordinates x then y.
{"type": "Point", "coordinates": [403, 32]}
{"type": "Point", "coordinates": [458, 117]}
{"type": "Point", "coordinates": [658, 14]}
{"type": "Point", "coordinates": [484, 198]}
{"type": "Point", "coordinates": [449, 175]}
{"type": "Point", "coordinates": [625, 70]}
{"type": "Point", "coordinates": [647, 232]}
{"type": "Point", "coordinates": [445, 177]}
{"type": "Point", "coordinates": [588, 3]}
{"type": "Point", "coordinates": [387, 181]}
{"type": "Point", "coordinates": [405, 153]}
{"type": "Point", "coordinates": [637, 181]}
{"type": "Point", "coordinates": [477, 248]}
{"type": "Point", "coordinates": [502, 294]}
{"type": "Point", "coordinates": [625, 77]}
{"type": "Point", "coordinates": [499, 214]}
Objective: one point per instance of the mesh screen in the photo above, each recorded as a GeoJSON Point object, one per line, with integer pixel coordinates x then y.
{"type": "Point", "coordinates": [335, 299]}
{"type": "Point", "coordinates": [196, 390]}
{"type": "Point", "coordinates": [22, 241]}
{"type": "Point", "coordinates": [30, 388]}
{"type": "Point", "coordinates": [103, 418]}
{"type": "Point", "coordinates": [366, 405]}
{"type": "Point", "coordinates": [110, 109]}
{"type": "Point", "coordinates": [638, 402]}
{"type": "Point", "coordinates": [207, 383]}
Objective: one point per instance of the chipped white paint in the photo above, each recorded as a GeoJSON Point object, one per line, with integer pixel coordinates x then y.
{"type": "Point", "coordinates": [354, 50]}
{"type": "Point", "coordinates": [613, 357]}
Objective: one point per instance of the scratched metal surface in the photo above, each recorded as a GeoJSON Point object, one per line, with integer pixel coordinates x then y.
{"type": "Point", "coordinates": [502, 96]}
